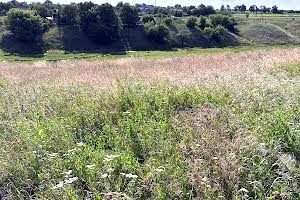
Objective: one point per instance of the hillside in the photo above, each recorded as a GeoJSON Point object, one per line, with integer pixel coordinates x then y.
{"type": "Point", "coordinates": [253, 30]}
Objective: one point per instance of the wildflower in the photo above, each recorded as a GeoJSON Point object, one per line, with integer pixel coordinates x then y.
{"type": "Point", "coordinates": [123, 174]}
{"type": "Point", "coordinates": [205, 179]}
{"type": "Point", "coordinates": [68, 173]}
{"type": "Point", "coordinates": [72, 150]}
{"type": "Point", "coordinates": [90, 166]}
{"type": "Point", "coordinates": [71, 180]}
{"type": "Point", "coordinates": [131, 176]}
{"type": "Point", "coordinates": [52, 155]}
{"type": "Point", "coordinates": [110, 158]}
{"type": "Point", "coordinates": [215, 158]}
{"type": "Point", "coordinates": [80, 144]}
{"type": "Point", "coordinates": [104, 175]}
{"type": "Point", "coordinates": [59, 185]}
{"type": "Point", "coordinates": [109, 170]}
{"type": "Point", "coordinates": [160, 169]}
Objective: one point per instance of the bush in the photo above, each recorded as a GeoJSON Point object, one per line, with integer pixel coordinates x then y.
{"type": "Point", "coordinates": [168, 21]}
{"type": "Point", "coordinates": [202, 22]}
{"type": "Point", "coordinates": [191, 22]}
{"type": "Point", "coordinates": [223, 20]}
{"type": "Point", "coordinates": [69, 14]}
{"type": "Point", "coordinates": [156, 32]}
{"type": "Point", "coordinates": [102, 24]}
{"type": "Point", "coordinates": [214, 32]}
{"type": "Point", "coordinates": [129, 15]}
{"type": "Point", "coordinates": [148, 18]}
{"type": "Point", "coordinates": [42, 10]}
{"type": "Point", "coordinates": [25, 25]}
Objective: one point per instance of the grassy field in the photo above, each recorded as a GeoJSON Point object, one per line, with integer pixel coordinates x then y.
{"type": "Point", "coordinates": [221, 126]}
{"type": "Point", "coordinates": [59, 55]}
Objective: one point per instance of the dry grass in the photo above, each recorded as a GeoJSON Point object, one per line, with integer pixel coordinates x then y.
{"type": "Point", "coordinates": [106, 73]}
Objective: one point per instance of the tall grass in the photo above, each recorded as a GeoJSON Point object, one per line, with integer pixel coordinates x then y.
{"type": "Point", "coordinates": [159, 141]}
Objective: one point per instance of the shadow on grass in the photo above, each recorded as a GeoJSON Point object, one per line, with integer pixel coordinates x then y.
{"type": "Point", "coordinates": [10, 44]}
{"type": "Point", "coordinates": [75, 41]}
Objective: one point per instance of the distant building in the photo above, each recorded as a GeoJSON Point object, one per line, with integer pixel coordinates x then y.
{"type": "Point", "coordinates": [146, 8]}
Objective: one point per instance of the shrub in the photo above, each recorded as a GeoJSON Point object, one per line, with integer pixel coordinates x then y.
{"type": "Point", "coordinates": [103, 24]}
{"type": "Point", "coordinates": [202, 22]}
{"type": "Point", "coordinates": [156, 32]}
{"type": "Point", "coordinates": [25, 25]}
{"type": "Point", "coordinates": [214, 32]}
{"type": "Point", "coordinates": [223, 20]}
{"type": "Point", "coordinates": [191, 22]}
{"type": "Point", "coordinates": [69, 14]}
{"type": "Point", "coordinates": [168, 21]}
{"type": "Point", "coordinates": [148, 18]}
{"type": "Point", "coordinates": [42, 10]}
{"type": "Point", "coordinates": [129, 15]}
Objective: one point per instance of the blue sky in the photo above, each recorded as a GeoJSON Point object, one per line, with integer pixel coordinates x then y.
{"type": "Point", "coordinates": [283, 4]}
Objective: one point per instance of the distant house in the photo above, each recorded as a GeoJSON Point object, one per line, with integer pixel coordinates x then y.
{"type": "Point", "coordinates": [146, 8]}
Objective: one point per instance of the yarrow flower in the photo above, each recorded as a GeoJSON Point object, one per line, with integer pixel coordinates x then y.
{"type": "Point", "coordinates": [131, 176]}
{"type": "Point", "coordinates": [80, 144]}
{"type": "Point", "coordinates": [110, 157]}
{"type": "Point", "coordinates": [160, 169]}
{"type": "Point", "coordinates": [65, 182]}
{"type": "Point", "coordinates": [90, 166]}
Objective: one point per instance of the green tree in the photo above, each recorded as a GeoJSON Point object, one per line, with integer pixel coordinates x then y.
{"type": "Point", "coordinates": [202, 22]}
{"type": "Point", "coordinates": [148, 18]}
{"type": "Point", "coordinates": [102, 24]}
{"type": "Point", "coordinates": [69, 15]}
{"type": "Point", "coordinates": [84, 13]}
{"type": "Point", "coordinates": [156, 32]}
{"type": "Point", "coordinates": [191, 22]}
{"type": "Point", "coordinates": [25, 25]}
{"type": "Point", "coordinates": [129, 15]}
{"type": "Point", "coordinates": [275, 10]}
{"type": "Point", "coordinates": [42, 10]}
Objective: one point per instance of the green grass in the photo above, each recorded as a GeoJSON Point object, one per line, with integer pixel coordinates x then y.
{"type": "Point", "coordinates": [159, 141]}
{"type": "Point", "coordinates": [56, 55]}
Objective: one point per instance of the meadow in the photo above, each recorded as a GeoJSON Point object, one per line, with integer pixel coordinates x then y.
{"type": "Point", "coordinates": [223, 124]}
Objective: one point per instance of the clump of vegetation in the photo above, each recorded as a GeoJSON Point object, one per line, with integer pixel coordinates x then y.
{"type": "Point", "coordinates": [202, 22]}
{"type": "Point", "coordinates": [157, 32]}
{"type": "Point", "coordinates": [214, 32]}
{"type": "Point", "coordinates": [191, 22]}
{"type": "Point", "coordinates": [168, 21]}
{"type": "Point", "coordinates": [102, 24]}
{"type": "Point", "coordinates": [25, 25]}
{"type": "Point", "coordinates": [148, 18]}
{"type": "Point", "coordinates": [223, 20]}
{"type": "Point", "coordinates": [158, 141]}
{"type": "Point", "coordinates": [69, 15]}
{"type": "Point", "coordinates": [129, 15]}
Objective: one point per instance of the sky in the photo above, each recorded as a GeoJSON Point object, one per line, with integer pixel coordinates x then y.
{"type": "Point", "coordinates": [282, 4]}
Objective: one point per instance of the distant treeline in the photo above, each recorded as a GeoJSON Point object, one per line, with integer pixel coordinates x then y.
{"type": "Point", "coordinates": [177, 10]}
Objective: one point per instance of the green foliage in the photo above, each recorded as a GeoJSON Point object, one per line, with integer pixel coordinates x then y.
{"type": "Point", "coordinates": [203, 10]}
{"type": "Point", "coordinates": [202, 22]}
{"type": "Point", "coordinates": [102, 24]}
{"type": "Point", "coordinates": [42, 10]}
{"type": "Point", "coordinates": [223, 20]}
{"type": "Point", "coordinates": [168, 21]}
{"type": "Point", "coordinates": [129, 15]}
{"type": "Point", "coordinates": [25, 25]}
{"type": "Point", "coordinates": [214, 32]}
{"type": "Point", "coordinates": [69, 15]}
{"type": "Point", "coordinates": [156, 32]}
{"type": "Point", "coordinates": [148, 18]}
{"type": "Point", "coordinates": [191, 22]}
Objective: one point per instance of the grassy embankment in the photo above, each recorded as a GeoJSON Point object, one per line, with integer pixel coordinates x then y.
{"type": "Point", "coordinates": [230, 135]}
